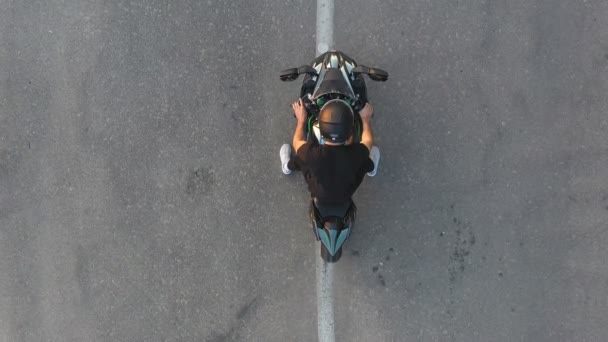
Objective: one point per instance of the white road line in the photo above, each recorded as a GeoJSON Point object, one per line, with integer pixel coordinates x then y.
{"type": "Point", "coordinates": [325, 299]}
{"type": "Point", "coordinates": [325, 271]}
{"type": "Point", "coordinates": [325, 25]}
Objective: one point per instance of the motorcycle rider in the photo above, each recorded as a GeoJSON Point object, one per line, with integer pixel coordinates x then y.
{"type": "Point", "coordinates": [336, 168]}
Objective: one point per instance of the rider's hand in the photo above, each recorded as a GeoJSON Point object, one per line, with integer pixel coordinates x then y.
{"type": "Point", "coordinates": [366, 112]}
{"type": "Point", "coordinates": [299, 110]}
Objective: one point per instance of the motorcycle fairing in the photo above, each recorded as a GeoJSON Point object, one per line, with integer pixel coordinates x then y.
{"type": "Point", "coordinates": [333, 81]}
{"type": "Point", "coordinates": [334, 71]}
{"type": "Point", "coordinates": [332, 231]}
{"type": "Point", "coordinates": [333, 238]}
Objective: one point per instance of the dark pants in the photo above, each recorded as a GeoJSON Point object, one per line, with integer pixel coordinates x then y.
{"type": "Point", "coordinates": [292, 165]}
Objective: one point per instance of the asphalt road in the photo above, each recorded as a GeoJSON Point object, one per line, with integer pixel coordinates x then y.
{"type": "Point", "coordinates": [141, 197]}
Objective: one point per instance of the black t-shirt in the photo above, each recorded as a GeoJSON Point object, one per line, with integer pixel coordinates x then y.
{"type": "Point", "coordinates": [333, 173]}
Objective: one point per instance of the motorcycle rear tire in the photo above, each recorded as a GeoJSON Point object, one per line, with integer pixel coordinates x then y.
{"type": "Point", "coordinates": [328, 257]}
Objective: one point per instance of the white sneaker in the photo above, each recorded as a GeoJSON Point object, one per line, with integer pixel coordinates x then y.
{"type": "Point", "coordinates": [374, 155]}
{"type": "Point", "coordinates": [285, 155]}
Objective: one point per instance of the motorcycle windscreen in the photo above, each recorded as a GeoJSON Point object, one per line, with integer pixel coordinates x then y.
{"type": "Point", "coordinates": [333, 82]}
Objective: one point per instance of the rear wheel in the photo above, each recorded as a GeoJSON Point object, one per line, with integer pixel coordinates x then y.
{"type": "Point", "coordinates": [328, 257]}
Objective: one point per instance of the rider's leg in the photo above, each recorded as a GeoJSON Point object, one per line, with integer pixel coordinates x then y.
{"type": "Point", "coordinates": [293, 166]}
{"type": "Point", "coordinates": [374, 155]}
{"type": "Point", "coordinates": [285, 155]}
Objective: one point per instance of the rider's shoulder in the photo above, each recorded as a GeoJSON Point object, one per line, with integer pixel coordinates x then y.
{"type": "Point", "coordinates": [360, 147]}
{"type": "Point", "coordinates": [306, 148]}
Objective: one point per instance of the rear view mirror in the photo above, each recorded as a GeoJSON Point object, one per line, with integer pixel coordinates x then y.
{"type": "Point", "coordinates": [307, 69]}
{"type": "Point", "coordinates": [289, 75]}
{"type": "Point", "coordinates": [378, 77]}
{"type": "Point", "coordinates": [374, 73]}
{"type": "Point", "coordinates": [293, 73]}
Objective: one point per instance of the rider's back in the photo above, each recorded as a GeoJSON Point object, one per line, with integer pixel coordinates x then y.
{"type": "Point", "coordinates": [333, 173]}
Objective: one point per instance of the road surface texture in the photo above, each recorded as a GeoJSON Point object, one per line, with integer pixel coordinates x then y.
{"type": "Point", "coordinates": [141, 197]}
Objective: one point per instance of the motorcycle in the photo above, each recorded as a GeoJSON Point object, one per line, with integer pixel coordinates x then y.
{"type": "Point", "coordinates": [332, 75]}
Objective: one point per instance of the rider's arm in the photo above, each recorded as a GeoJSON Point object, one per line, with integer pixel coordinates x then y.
{"type": "Point", "coordinates": [299, 136]}
{"type": "Point", "coordinates": [367, 136]}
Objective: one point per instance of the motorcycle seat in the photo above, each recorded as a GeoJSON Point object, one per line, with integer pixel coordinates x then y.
{"type": "Point", "coordinates": [328, 210]}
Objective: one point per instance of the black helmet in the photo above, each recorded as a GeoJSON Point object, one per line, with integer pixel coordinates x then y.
{"type": "Point", "coordinates": [336, 121]}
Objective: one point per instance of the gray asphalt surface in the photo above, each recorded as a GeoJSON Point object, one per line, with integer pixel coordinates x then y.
{"type": "Point", "coordinates": [141, 197]}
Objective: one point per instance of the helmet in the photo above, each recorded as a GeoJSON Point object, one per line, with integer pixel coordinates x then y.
{"type": "Point", "coordinates": [336, 121]}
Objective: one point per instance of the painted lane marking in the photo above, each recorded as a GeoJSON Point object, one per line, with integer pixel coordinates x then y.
{"type": "Point", "coordinates": [325, 271]}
